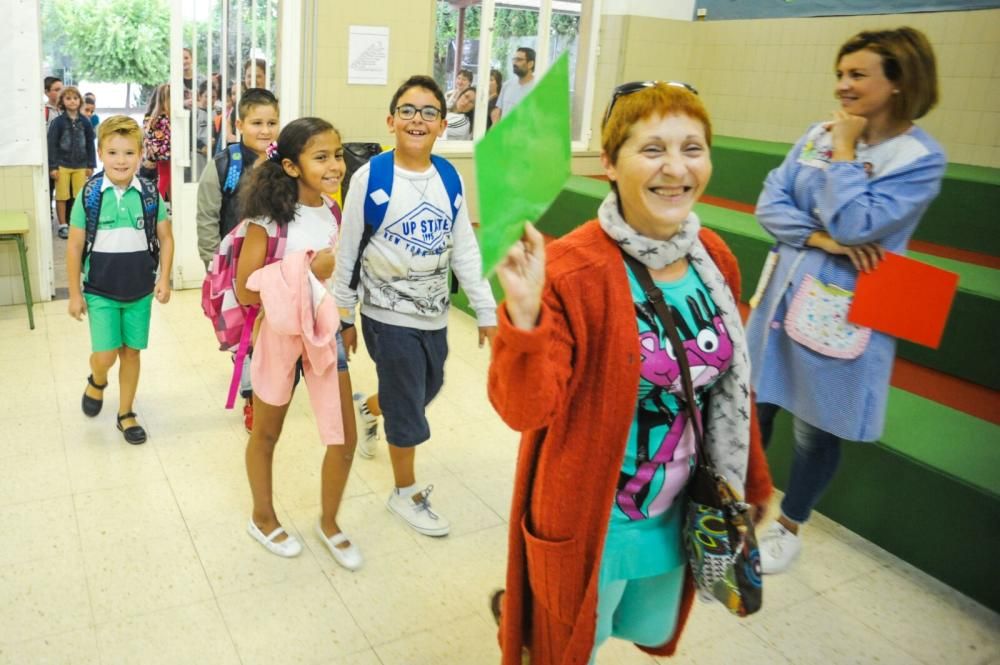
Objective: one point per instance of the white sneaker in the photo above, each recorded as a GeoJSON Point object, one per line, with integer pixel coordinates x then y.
{"type": "Point", "coordinates": [418, 514]}
{"type": "Point", "coordinates": [367, 427]}
{"type": "Point", "coordinates": [348, 557]}
{"type": "Point", "coordinates": [288, 548]}
{"type": "Point", "coordinates": [778, 549]}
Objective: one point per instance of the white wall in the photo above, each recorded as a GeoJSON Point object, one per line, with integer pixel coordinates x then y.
{"type": "Point", "coordinates": [679, 10]}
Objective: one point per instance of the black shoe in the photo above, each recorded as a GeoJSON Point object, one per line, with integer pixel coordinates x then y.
{"type": "Point", "coordinates": [134, 434]}
{"type": "Point", "coordinates": [92, 406]}
{"type": "Point", "coordinates": [63, 231]}
{"type": "Point", "coordinates": [496, 605]}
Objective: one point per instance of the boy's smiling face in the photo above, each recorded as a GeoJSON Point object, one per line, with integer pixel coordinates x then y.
{"type": "Point", "coordinates": [121, 156]}
{"type": "Point", "coordinates": [415, 137]}
{"type": "Point", "coordinates": [259, 127]}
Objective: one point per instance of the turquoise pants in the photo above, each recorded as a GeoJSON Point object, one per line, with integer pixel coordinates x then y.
{"type": "Point", "coordinates": [643, 611]}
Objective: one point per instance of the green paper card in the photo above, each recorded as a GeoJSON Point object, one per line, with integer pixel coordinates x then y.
{"type": "Point", "coordinates": [522, 164]}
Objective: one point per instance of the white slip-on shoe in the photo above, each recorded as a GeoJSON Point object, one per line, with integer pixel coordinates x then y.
{"type": "Point", "coordinates": [418, 514]}
{"type": "Point", "coordinates": [367, 427]}
{"type": "Point", "coordinates": [288, 548]}
{"type": "Point", "coordinates": [348, 557]}
{"type": "Point", "coordinates": [778, 549]}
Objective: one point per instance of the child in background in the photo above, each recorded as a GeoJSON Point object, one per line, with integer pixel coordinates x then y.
{"type": "Point", "coordinates": [71, 153]}
{"type": "Point", "coordinates": [287, 191]}
{"type": "Point", "coordinates": [157, 142]}
{"type": "Point", "coordinates": [201, 128]}
{"type": "Point", "coordinates": [53, 88]}
{"type": "Point", "coordinates": [90, 109]}
{"type": "Point", "coordinates": [218, 205]}
{"type": "Point", "coordinates": [404, 285]}
{"type": "Point", "coordinates": [119, 272]}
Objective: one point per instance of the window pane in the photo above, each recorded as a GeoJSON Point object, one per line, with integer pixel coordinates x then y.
{"type": "Point", "coordinates": [565, 37]}
{"type": "Point", "coordinates": [456, 61]}
{"type": "Point", "coordinates": [516, 26]}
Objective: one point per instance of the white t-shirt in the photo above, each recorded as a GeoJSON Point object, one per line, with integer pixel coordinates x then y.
{"type": "Point", "coordinates": [459, 127]}
{"type": "Point", "coordinates": [313, 228]}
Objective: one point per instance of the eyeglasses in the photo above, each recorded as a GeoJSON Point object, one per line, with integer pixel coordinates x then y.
{"type": "Point", "coordinates": [409, 111]}
{"type": "Point", "coordinates": [636, 86]}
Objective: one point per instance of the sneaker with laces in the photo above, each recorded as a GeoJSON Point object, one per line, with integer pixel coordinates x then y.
{"type": "Point", "coordinates": [248, 416]}
{"type": "Point", "coordinates": [778, 549]}
{"type": "Point", "coordinates": [367, 427]}
{"type": "Point", "coordinates": [418, 514]}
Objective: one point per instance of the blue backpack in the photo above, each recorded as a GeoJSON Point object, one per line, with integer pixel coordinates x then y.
{"type": "Point", "coordinates": [231, 168]}
{"type": "Point", "coordinates": [92, 197]}
{"type": "Point", "coordinates": [380, 176]}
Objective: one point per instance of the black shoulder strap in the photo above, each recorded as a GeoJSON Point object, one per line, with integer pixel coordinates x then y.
{"type": "Point", "coordinates": [150, 197]}
{"type": "Point", "coordinates": [92, 197]}
{"type": "Point", "coordinates": [655, 297]}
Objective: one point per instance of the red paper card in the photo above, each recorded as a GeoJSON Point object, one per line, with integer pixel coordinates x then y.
{"type": "Point", "coordinates": [905, 298]}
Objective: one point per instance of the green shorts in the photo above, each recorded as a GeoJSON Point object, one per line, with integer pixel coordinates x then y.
{"type": "Point", "coordinates": [114, 324]}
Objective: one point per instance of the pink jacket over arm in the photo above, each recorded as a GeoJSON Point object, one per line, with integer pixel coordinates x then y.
{"type": "Point", "coordinates": [291, 330]}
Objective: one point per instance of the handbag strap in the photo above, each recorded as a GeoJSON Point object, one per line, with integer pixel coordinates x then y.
{"type": "Point", "coordinates": [655, 298]}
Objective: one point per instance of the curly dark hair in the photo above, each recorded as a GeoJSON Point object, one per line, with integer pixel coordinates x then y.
{"type": "Point", "coordinates": [271, 192]}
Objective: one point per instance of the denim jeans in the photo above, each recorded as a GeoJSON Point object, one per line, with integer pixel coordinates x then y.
{"type": "Point", "coordinates": [816, 456]}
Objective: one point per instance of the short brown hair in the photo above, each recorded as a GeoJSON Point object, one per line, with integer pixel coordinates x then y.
{"type": "Point", "coordinates": [119, 125]}
{"type": "Point", "coordinates": [68, 90]}
{"type": "Point", "coordinates": [660, 99]}
{"type": "Point", "coordinates": [908, 61]}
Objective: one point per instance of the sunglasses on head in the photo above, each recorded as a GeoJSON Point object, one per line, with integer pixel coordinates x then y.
{"type": "Point", "coordinates": [635, 86]}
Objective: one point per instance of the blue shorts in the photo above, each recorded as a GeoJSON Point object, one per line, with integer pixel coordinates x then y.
{"type": "Point", "coordinates": [410, 366]}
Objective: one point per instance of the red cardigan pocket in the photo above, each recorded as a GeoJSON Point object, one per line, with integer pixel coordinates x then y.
{"type": "Point", "coordinates": [556, 575]}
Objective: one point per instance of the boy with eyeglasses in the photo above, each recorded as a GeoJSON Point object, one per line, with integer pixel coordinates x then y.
{"type": "Point", "coordinates": [402, 280]}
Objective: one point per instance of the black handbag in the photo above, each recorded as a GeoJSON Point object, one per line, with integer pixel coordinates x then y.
{"type": "Point", "coordinates": [719, 536]}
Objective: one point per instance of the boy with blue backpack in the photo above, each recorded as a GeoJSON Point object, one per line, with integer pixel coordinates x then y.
{"type": "Point", "coordinates": [405, 226]}
{"type": "Point", "coordinates": [218, 203]}
{"type": "Point", "coordinates": [218, 188]}
{"type": "Point", "coordinates": [120, 241]}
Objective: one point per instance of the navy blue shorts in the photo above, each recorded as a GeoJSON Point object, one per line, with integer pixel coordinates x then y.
{"type": "Point", "coordinates": [410, 366]}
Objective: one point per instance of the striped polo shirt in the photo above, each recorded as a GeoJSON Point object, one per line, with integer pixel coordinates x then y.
{"type": "Point", "coordinates": [119, 265]}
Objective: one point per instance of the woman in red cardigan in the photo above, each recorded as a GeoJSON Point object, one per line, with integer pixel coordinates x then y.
{"type": "Point", "coordinates": [582, 367]}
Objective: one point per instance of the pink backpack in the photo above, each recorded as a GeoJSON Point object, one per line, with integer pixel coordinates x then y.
{"type": "Point", "coordinates": [218, 291]}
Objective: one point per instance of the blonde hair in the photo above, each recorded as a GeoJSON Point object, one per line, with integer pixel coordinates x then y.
{"type": "Point", "coordinates": [119, 125]}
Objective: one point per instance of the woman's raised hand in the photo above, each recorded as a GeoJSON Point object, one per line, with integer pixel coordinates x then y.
{"type": "Point", "coordinates": [845, 130]}
{"type": "Point", "coordinates": [865, 257]}
{"type": "Point", "coordinates": [522, 275]}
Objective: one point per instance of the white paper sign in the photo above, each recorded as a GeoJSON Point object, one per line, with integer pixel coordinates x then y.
{"type": "Point", "coordinates": [368, 55]}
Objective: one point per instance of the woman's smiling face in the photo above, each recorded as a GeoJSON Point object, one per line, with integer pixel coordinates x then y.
{"type": "Point", "coordinates": [662, 169]}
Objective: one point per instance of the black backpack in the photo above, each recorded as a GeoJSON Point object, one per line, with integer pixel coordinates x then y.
{"type": "Point", "coordinates": [356, 155]}
{"type": "Point", "coordinates": [92, 197]}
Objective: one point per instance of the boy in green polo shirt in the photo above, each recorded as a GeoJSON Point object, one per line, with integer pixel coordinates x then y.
{"type": "Point", "coordinates": [119, 272]}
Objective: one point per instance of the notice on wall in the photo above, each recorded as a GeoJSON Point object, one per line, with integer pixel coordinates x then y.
{"type": "Point", "coordinates": [368, 55]}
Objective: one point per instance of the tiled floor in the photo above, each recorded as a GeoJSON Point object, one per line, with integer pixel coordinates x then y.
{"type": "Point", "coordinates": [116, 554]}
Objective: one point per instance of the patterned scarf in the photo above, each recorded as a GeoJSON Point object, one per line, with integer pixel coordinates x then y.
{"type": "Point", "coordinates": [727, 422]}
